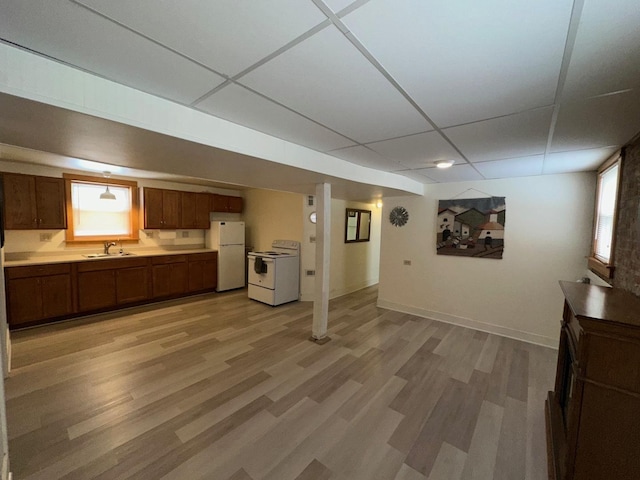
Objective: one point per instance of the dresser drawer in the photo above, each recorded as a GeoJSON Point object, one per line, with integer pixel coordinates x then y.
{"type": "Point", "coordinates": [614, 362]}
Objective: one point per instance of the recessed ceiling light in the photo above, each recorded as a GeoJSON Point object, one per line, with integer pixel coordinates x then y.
{"type": "Point", "coordinates": [444, 163]}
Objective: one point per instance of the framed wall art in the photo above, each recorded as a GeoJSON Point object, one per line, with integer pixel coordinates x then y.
{"type": "Point", "coordinates": [471, 227]}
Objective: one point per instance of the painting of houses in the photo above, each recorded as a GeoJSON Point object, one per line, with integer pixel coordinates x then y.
{"type": "Point", "coordinates": [471, 227]}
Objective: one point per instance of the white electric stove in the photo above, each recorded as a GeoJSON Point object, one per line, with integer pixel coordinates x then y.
{"type": "Point", "coordinates": [274, 275]}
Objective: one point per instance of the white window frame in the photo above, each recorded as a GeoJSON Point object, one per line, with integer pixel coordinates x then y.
{"type": "Point", "coordinates": [604, 267]}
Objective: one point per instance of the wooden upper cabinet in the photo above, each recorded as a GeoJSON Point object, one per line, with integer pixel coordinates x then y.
{"type": "Point", "coordinates": [226, 203]}
{"type": "Point", "coordinates": [195, 210]}
{"type": "Point", "coordinates": [171, 208]}
{"type": "Point", "coordinates": [203, 208]}
{"type": "Point", "coordinates": [20, 202]}
{"type": "Point", "coordinates": [235, 204]}
{"type": "Point", "coordinates": [152, 208]}
{"type": "Point", "coordinates": [188, 217]}
{"type": "Point", "coordinates": [161, 208]}
{"type": "Point", "coordinates": [33, 202]}
{"type": "Point", "coordinates": [50, 202]}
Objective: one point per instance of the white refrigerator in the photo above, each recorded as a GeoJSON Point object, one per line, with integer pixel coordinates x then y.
{"type": "Point", "coordinates": [228, 239]}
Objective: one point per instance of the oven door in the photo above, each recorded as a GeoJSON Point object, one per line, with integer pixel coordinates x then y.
{"type": "Point", "coordinates": [264, 274]}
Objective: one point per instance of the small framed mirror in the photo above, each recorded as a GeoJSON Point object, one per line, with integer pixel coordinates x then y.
{"type": "Point", "coordinates": [357, 225]}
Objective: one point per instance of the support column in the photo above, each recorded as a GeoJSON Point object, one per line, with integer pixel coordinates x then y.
{"type": "Point", "coordinates": [323, 260]}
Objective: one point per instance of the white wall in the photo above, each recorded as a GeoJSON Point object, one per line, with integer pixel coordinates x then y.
{"type": "Point", "coordinates": [547, 237]}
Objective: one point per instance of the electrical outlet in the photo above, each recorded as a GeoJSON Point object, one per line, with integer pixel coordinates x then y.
{"type": "Point", "coordinates": [310, 273]}
{"type": "Point", "coordinates": [406, 262]}
{"type": "Point", "coordinates": [312, 239]}
{"type": "Point", "coordinates": [185, 234]}
{"type": "Point", "coordinates": [45, 237]}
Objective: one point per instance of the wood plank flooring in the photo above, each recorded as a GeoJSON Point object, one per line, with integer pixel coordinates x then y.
{"type": "Point", "coordinates": [221, 387]}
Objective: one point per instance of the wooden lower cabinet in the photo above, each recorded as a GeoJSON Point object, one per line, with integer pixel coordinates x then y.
{"type": "Point", "coordinates": [96, 290]}
{"type": "Point", "coordinates": [24, 300]}
{"type": "Point", "coordinates": [132, 284]}
{"type": "Point", "coordinates": [35, 293]}
{"type": "Point", "coordinates": [108, 283]}
{"type": "Point", "coordinates": [593, 413]}
{"type": "Point", "coordinates": [169, 275]}
{"type": "Point", "coordinates": [203, 271]}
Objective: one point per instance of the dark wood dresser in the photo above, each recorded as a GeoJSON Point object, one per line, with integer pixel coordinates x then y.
{"type": "Point", "coordinates": [593, 414]}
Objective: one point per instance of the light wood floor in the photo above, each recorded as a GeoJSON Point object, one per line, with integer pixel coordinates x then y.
{"type": "Point", "coordinates": [220, 387]}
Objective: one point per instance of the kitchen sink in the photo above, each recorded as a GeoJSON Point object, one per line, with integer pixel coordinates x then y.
{"type": "Point", "coordinates": [105, 255]}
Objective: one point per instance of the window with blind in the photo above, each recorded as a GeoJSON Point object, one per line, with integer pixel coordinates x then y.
{"type": "Point", "coordinates": [605, 213]}
{"type": "Point", "coordinates": [101, 209]}
{"type": "Point", "coordinates": [601, 260]}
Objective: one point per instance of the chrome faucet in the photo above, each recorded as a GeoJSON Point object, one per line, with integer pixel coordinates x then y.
{"type": "Point", "coordinates": [108, 245]}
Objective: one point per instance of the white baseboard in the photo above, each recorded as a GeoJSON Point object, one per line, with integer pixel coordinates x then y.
{"type": "Point", "coordinates": [6, 474]}
{"type": "Point", "coordinates": [308, 297]}
{"type": "Point", "coordinates": [8, 346]}
{"type": "Point", "coordinates": [351, 288]}
{"type": "Point", "coordinates": [470, 323]}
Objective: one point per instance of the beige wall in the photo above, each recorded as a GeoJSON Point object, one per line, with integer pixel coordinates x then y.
{"type": "Point", "coordinates": [353, 265]}
{"type": "Point", "coordinates": [547, 236]}
{"type": "Point", "coordinates": [271, 215]}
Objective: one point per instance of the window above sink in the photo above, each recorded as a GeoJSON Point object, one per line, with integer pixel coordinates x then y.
{"type": "Point", "coordinates": [94, 216]}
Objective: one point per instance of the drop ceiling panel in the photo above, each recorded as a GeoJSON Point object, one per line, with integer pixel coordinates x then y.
{"type": "Point", "coordinates": [597, 122]}
{"type": "Point", "coordinates": [72, 34]}
{"type": "Point", "coordinates": [328, 80]}
{"type": "Point", "coordinates": [367, 158]}
{"type": "Point", "coordinates": [512, 167]}
{"type": "Point", "coordinates": [576, 161]}
{"type": "Point", "coordinates": [457, 173]}
{"type": "Point", "coordinates": [513, 136]}
{"type": "Point", "coordinates": [338, 5]}
{"type": "Point", "coordinates": [417, 175]}
{"type": "Point", "coordinates": [225, 35]}
{"type": "Point", "coordinates": [466, 61]}
{"type": "Point", "coordinates": [417, 151]}
{"type": "Point", "coordinates": [606, 46]}
{"type": "Point", "coordinates": [239, 105]}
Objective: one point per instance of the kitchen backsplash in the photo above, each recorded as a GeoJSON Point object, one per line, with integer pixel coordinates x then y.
{"type": "Point", "coordinates": [50, 241]}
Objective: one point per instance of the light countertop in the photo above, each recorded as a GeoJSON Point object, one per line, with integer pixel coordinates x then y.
{"type": "Point", "coordinates": [35, 258]}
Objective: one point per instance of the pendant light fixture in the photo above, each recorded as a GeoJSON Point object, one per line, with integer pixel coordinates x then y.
{"type": "Point", "coordinates": [107, 195]}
